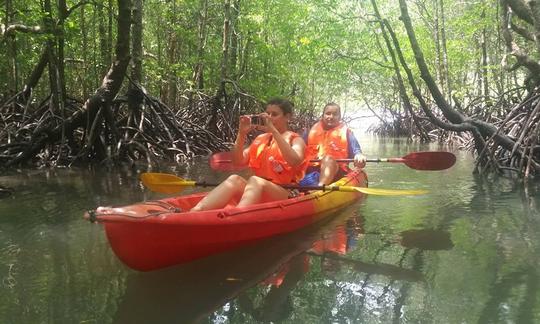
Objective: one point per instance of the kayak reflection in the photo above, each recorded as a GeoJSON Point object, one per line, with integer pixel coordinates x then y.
{"type": "Point", "coordinates": [191, 292]}
{"type": "Point", "coordinates": [276, 304]}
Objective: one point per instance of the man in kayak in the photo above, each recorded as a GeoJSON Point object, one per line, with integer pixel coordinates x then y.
{"type": "Point", "coordinates": [277, 155]}
{"type": "Point", "coordinates": [328, 140]}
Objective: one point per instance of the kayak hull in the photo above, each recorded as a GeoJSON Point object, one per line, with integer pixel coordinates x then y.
{"type": "Point", "coordinates": [157, 234]}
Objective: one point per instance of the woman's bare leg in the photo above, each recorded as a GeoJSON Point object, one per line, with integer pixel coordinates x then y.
{"type": "Point", "coordinates": [222, 194]}
{"type": "Point", "coordinates": [261, 190]}
{"type": "Point", "coordinates": [329, 169]}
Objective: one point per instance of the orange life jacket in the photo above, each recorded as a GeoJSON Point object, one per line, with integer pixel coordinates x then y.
{"type": "Point", "coordinates": [332, 142]}
{"type": "Point", "coordinates": [266, 160]}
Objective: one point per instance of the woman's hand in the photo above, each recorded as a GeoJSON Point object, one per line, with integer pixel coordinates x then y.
{"type": "Point", "coordinates": [267, 125]}
{"type": "Point", "coordinates": [244, 126]}
{"type": "Point", "coordinates": [240, 156]}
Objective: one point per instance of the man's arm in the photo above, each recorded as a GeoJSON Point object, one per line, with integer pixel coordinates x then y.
{"type": "Point", "coordinates": [354, 147]}
{"type": "Point", "coordinates": [355, 152]}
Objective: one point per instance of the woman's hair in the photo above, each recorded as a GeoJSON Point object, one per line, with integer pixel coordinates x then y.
{"type": "Point", "coordinates": [285, 105]}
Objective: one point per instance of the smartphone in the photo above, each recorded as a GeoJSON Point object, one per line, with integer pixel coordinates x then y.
{"type": "Point", "coordinates": [256, 120]}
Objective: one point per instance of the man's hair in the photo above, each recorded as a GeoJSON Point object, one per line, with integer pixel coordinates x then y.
{"type": "Point", "coordinates": [332, 104]}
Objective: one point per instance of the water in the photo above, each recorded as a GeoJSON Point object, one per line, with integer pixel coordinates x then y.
{"type": "Point", "coordinates": [466, 252]}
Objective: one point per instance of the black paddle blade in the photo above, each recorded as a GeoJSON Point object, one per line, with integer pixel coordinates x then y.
{"type": "Point", "coordinates": [426, 239]}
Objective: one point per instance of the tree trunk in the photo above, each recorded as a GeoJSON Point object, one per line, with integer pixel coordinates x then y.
{"type": "Point", "coordinates": [522, 10]}
{"type": "Point", "coordinates": [137, 41]}
{"type": "Point", "coordinates": [221, 94]}
{"type": "Point", "coordinates": [485, 81]}
{"type": "Point", "coordinates": [36, 74]}
{"type": "Point", "coordinates": [234, 39]}
{"type": "Point", "coordinates": [445, 75]}
{"type": "Point", "coordinates": [481, 130]}
{"type": "Point", "coordinates": [53, 56]}
{"type": "Point", "coordinates": [534, 6]}
{"type": "Point", "coordinates": [60, 62]}
{"type": "Point", "coordinates": [438, 50]}
{"type": "Point", "coordinates": [401, 85]}
{"type": "Point", "coordinates": [500, 78]}
{"type": "Point", "coordinates": [244, 57]}
{"type": "Point", "coordinates": [225, 43]}
{"type": "Point", "coordinates": [101, 99]}
{"type": "Point", "coordinates": [102, 36]}
{"type": "Point", "coordinates": [84, 40]}
{"type": "Point", "coordinates": [172, 58]}
{"type": "Point", "coordinates": [110, 32]}
{"type": "Point", "coordinates": [485, 75]}
{"type": "Point", "coordinates": [198, 71]}
{"type": "Point", "coordinates": [160, 58]}
{"type": "Point", "coordinates": [135, 98]}
{"type": "Point", "coordinates": [11, 51]}
{"type": "Point", "coordinates": [452, 115]}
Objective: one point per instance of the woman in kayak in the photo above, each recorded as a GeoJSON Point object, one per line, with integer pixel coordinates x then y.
{"type": "Point", "coordinates": [276, 157]}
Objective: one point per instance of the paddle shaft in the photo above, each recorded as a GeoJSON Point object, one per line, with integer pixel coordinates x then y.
{"type": "Point", "coordinates": [425, 161]}
{"type": "Point", "coordinates": [168, 183]}
{"type": "Point", "coordinates": [397, 160]}
{"type": "Point", "coordinates": [286, 186]}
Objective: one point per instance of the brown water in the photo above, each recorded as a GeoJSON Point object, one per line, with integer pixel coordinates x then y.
{"type": "Point", "coordinates": [467, 252]}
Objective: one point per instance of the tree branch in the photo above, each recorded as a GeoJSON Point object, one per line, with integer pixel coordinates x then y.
{"type": "Point", "coordinates": [522, 31]}
{"type": "Point", "coordinates": [451, 114]}
{"type": "Point", "coordinates": [520, 8]}
{"type": "Point", "coordinates": [11, 29]}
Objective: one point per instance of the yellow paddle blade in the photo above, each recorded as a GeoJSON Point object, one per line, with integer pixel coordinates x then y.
{"type": "Point", "coordinates": [165, 183]}
{"type": "Point", "coordinates": [391, 192]}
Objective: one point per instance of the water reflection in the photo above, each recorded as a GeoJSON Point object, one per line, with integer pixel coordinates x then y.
{"type": "Point", "coordinates": [276, 302]}
{"type": "Point", "coordinates": [272, 299]}
{"type": "Point", "coordinates": [467, 252]}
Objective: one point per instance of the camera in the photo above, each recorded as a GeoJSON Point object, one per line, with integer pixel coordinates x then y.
{"type": "Point", "coordinates": [256, 120]}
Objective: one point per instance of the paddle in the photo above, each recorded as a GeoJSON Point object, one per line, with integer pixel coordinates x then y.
{"type": "Point", "coordinates": [169, 184]}
{"type": "Point", "coordinates": [426, 161]}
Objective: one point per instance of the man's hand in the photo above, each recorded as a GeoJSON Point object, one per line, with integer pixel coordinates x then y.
{"type": "Point", "coordinates": [360, 160]}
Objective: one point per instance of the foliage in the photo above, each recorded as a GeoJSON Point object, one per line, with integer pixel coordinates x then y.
{"type": "Point", "coordinates": [206, 56]}
{"type": "Point", "coordinates": [313, 51]}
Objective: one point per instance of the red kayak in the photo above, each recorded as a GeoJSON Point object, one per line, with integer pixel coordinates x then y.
{"type": "Point", "coordinates": [157, 234]}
